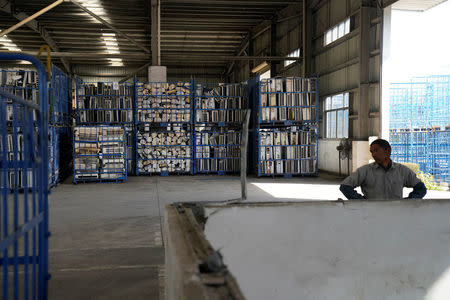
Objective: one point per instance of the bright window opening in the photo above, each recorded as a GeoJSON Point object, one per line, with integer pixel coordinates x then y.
{"type": "Point", "coordinates": [265, 75]}
{"type": "Point", "coordinates": [336, 110]}
{"type": "Point", "coordinates": [337, 32]}
{"type": "Point", "coordinates": [295, 53]}
{"type": "Point", "coordinates": [7, 44]}
{"type": "Point", "coordinates": [112, 47]}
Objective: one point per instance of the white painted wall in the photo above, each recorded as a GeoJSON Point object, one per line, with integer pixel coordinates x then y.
{"type": "Point", "coordinates": [357, 250]}
{"type": "Point", "coordinates": [329, 157]}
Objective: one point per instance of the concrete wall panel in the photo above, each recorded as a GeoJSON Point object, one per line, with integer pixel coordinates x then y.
{"type": "Point", "coordinates": [327, 250]}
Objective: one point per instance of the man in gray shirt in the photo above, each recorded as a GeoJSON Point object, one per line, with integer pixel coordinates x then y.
{"type": "Point", "coordinates": [383, 179]}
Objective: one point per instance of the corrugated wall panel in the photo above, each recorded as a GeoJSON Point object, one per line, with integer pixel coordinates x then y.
{"type": "Point", "coordinates": [338, 10]}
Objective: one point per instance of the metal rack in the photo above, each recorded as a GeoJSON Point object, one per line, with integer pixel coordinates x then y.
{"type": "Point", "coordinates": [105, 103]}
{"type": "Point", "coordinates": [287, 151]}
{"type": "Point", "coordinates": [60, 125]}
{"type": "Point", "coordinates": [440, 155]}
{"type": "Point", "coordinates": [164, 140]}
{"type": "Point", "coordinates": [108, 103]}
{"type": "Point", "coordinates": [24, 83]}
{"type": "Point", "coordinates": [286, 126]}
{"type": "Point", "coordinates": [99, 153]}
{"type": "Point", "coordinates": [219, 113]}
{"type": "Point", "coordinates": [24, 187]}
{"type": "Point", "coordinates": [419, 122]}
{"type": "Point", "coordinates": [61, 101]}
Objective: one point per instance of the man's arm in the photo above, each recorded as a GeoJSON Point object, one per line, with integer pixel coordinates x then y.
{"type": "Point", "coordinates": [419, 191]}
{"type": "Point", "coordinates": [351, 182]}
{"type": "Point", "coordinates": [350, 192]}
{"type": "Point", "coordinates": [411, 180]}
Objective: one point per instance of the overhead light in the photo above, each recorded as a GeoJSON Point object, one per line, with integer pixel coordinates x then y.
{"type": "Point", "coordinates": [96, 7]}
{"type": "Point", "coordinates": [112, 47]}
{"type": "Point", "coordinates": [8, 44]}
{"type": "Point", "coordinates": [260, 67]}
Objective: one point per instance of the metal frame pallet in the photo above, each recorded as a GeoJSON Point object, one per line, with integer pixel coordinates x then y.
{"type": "Point", "coordinates": [218, 114]}
{"type": "Point", "coordinates": [164, 112]}
{"type": "Point", "coordinates": [92, 149]}
{"type": "Point", "coordinates": [429, 148]}
{"type": "Point", "coordinates": [25, 227]}
{"type": "Point", "coordinates": [420, 110]}
{"type": "Point", "coordinates": [60, 122]}
{"type": "Point", "coordinates": [114, 104]}
{"type": "Point", "coordinates": [287, 106]}
{"type": "Point", "coordinates": [105, 100]}
{"type": "Point", "coordinates": [24, 83]}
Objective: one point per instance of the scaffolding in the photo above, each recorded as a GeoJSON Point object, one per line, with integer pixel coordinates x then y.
{"type": "Point", "coordinates": [420, 124]}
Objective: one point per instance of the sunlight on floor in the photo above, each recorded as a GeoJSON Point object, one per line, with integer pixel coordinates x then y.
{"type": "Point", "coordinates": [323, 191]}
{"type": "Point", "coordinates": [441, 288]}
{"type": "Point", "coordinates": [301, 191]}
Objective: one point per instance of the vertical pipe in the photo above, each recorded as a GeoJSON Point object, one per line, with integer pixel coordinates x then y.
{"type": "Point", "coordinates": [156, 32]}
{"type": "Point", "coordinates": [4, 195]}
{"type": "Point", "coordinates": [244, 156]}
{"type": "Point", "coordinates": [15, 162]}
{"type": "Point", "coordinates": [193, 122]}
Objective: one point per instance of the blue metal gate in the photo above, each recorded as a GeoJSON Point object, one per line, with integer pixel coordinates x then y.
{"type": "Point", "coordinates": [24, 228]}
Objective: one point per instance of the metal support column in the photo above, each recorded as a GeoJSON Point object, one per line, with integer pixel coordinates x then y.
{"type": "Point", "coordinates": [273, 46]}
{"type": "Point", "coordinates": [156, 32]}
{"type": "Point", "coordinates": [362, 131]}
{"type": "Point", "coordinates": [306, 38]}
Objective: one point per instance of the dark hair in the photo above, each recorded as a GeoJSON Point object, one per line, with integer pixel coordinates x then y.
{"type": "Point", "coordinates": [382, 143]}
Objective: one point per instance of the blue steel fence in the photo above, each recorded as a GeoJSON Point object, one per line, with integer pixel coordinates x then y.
{"type": "Point", "coordinates": [24, 230]}
{"type": "Point", "coordinates": [61, 102]}
{"type": "Point", "coordinates": [419, 124]}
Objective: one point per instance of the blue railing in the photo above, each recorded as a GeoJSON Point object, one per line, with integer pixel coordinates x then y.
{"type": "Point", "coordinates": [24, 228]}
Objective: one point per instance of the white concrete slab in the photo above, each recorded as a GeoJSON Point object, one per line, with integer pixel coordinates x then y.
{"type": "Point", "coordinates": [356, 250]}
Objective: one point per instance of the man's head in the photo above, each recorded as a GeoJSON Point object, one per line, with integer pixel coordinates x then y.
{"type": "Point", "coordinates": [381, 151]}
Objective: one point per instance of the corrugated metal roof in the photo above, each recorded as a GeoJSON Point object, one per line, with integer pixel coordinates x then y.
{"type": "Point", "coordinates": [416, 5]}
{"type": "Point", "coordinates": [189, 28]}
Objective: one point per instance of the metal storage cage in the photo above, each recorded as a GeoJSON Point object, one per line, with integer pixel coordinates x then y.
{"type": "Point", "coordinates": [104, 103]}
{"type": "Point", "coordinates": [24, 188]}
{"type": "Point", "coordinates": [286, 126]}
{"type": "Point", "coordinates": [60, 124]}
{"type": "Point", "coordinates": [61, 102]}
{"type": "Point", "coordinates": [440, 155]}
{"type": "Point", "coordinates": [164, 150]}
{"type": "Point", "coordinates": [164, 140]}
{"type": "Point", "coordinates": [24, 83]}
{"type": "Point", "coordinates": [219, 113]}
{"type": "Point", "coordinates": [420, 112]}
{"type": "Point", "coordinates": [108, 103]}
{"type": "Point", "coordinates": [99, 153]}
{"type": "Point", "coordinates": [288, 101]}
{"type": "Point", "coordinates": [287, 151]}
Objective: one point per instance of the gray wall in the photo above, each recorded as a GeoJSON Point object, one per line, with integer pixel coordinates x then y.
{"type": "Point", "coordinates": [350, 64]}
{"type": "Point", "coordinates": [288, 24]}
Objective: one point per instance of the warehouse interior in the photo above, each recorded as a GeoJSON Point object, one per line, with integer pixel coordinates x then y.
{"type": "Point", "coordinates": [182, 136]}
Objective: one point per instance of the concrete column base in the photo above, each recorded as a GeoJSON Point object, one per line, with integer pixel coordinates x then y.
{"type": "Point", "coordinates": [157, 74]}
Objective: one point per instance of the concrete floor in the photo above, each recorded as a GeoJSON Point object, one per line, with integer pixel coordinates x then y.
{"type": "Point", "coordinates": [106, 238]}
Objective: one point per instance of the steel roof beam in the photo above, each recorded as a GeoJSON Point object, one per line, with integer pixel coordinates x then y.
{"type": "Point", "coordinates": [6, 7]}
{"type": "Point", "coordinates": [107, 24]}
